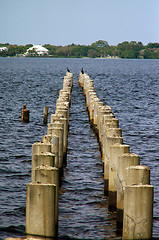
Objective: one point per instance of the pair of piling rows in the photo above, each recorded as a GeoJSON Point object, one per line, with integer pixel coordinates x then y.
{"type": "Point", "coordinates": [48, 159]}
{"type": "Point", "coordinates": [126, 182]}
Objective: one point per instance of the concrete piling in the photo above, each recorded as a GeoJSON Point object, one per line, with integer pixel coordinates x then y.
{"type": "Point", "coordinates": [56, 124]}
{"type": "Point", "coordinates": [49, 175]}
{"type": "Point", "coordinates": [64, 114]}
{"type": "Point", "coordinates": [137, 175]}
{"type": "Point", "coordinates": [64, 122]}
{"type": "Point", "coordinates": [138, 212]}
{"type": "Point", "coordinates": [116, 150]}
{"type": "Point", "coordinates": [108, 132]}
{"type": "Point", "coordinates": [38, 148]}
{"type": "Point", "coordinates": [54, 141]}
{"type": "Point", "coordinates": [124, 161]}
{"type": "Point", "coordinates": [58, 131]}
{"type": "Point", "coordinates": [97, 106]}
{"type": "Point", "coordinates": [41, 210]}
{"type": "Point", "coordinates": [109, 141]}
{"type": "Point", "coordinates": [42, 159]}
{"type": "Point", "coordinates": [55, 149]}
{"type": "Point", "coordinates": [108, 123]}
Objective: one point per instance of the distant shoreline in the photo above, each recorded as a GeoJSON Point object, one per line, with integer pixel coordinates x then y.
{"type": "Point", "coordinates": [99, 49]}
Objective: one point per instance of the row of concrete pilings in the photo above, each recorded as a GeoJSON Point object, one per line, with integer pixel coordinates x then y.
{"type": "Point", "coordinates": [126, 182]}
{"type": "Point", "coordinates": [48, 160]}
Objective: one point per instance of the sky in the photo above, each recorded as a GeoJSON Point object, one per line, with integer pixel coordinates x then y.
{"type": "Point", "coordinates": [63, 22]}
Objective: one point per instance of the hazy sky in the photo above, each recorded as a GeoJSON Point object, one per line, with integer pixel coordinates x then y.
{"type": "Point", "coordinates": [63, 22]}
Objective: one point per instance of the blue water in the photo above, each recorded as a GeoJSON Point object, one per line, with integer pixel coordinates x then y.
{"type": "Point", "coordinates": [130, 87]}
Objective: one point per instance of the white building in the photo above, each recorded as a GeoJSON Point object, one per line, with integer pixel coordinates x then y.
{"type": "Point", "coordinates": [3, 49]}
{"type": "Point", "coordinates": [39, 49]}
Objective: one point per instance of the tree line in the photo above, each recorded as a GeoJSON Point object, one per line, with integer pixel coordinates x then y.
{"type": "Point", "coordinates": [98, 49]}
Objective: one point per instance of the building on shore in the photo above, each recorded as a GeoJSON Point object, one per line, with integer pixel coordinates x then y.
{"type": "Point", "coordinates": [3, 49]}
{"type": "Point", "coordinates": [37, 50]}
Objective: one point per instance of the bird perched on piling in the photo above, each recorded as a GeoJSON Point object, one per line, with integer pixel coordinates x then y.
{"type": "Point", "coordinates": [68, 70]}
{"type": "Point", "coordinates": [82, 71]}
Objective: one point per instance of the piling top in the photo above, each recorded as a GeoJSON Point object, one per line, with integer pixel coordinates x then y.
{"type": "Point", "coordinates": [139, 186]}
{"type": "Point", "coordinates": [56, 115]}
{"type": "Point", "coordinates": [41, 184]}
{"type": "Point", "coordinates": [56, 124]}
{"type": "Point", "coordinates": [105, 107]}
{"type": "Point", "coordinates": [108, 116]}
{"type": "Point", "coordinates": [119, 145]}
{"type": "Point", "coordinates": [125, 155]}
{"type": "Point", "coordinates": [49, 154]}
{"type": "Point", "coordinates": [28, 238]}
{"type": "Point", "coordinates": [139, 167]}
{"type": "Point", "coordinates": [46, 167]}
{"type": "Point", "coordinates": [24, 106]}
{"type": "Point", "coordinates": [115, 138]}
{"type": "Point", "coordinates": [112, 120]}
{"type": "Point", "coordinates": [40, 143]}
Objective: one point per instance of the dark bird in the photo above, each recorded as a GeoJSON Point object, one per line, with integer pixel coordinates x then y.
{"type": "Point", "coordinates": [82, 71]}
{"type": "Point", "coordinates": [68, 70]}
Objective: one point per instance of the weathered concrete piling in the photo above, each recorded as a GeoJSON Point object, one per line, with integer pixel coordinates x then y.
{"type": "Point", "coordinates": [108, 142]}
{"type": "Point", "coordinates": [116, 150]}
{"type": "Point", "coordinates": [54, 140]}
{"type": "Point", "coordinates": [126, 183]}
{"type": "Point", "coordinates": [124, 162]}
{"type": "Point", "coordinates": [47, 169]}
{"type": "Point", "coordinates": [41, 209]}
{"type": "Point", "coordinates": [138, 212]}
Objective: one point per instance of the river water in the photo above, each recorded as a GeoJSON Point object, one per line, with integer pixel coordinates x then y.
{"type": "Point", "coordinates": [130, 87]}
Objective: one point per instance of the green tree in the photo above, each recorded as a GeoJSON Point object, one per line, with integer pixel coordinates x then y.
{"type": "Point", "coordinates": [130, 50]}
{"type": "Point", "coordinates": [152, 45]}
{"type": "Point", "coordinates": [151, 53]}
{"type": "Point", "coordinates": [99, 44]}
{"type": "Point", "coordinates": [92, 53]}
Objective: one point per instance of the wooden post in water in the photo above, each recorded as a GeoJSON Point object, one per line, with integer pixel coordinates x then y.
{"type": "Point", "coordinates": [45, 115]}
{"type": "Point", "coordinates": [25, 114]}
